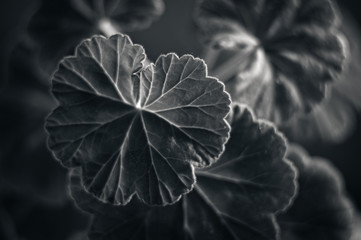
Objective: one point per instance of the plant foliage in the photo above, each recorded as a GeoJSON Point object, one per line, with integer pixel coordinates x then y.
{"type": "Point", "coordinates": [235, 198]}
{"type": "Point", "coordinates": [276, 56]}
{"type": "Point", "coordinates": [136, 129]}
{"type": "Point", "coordinates": [321, 209]}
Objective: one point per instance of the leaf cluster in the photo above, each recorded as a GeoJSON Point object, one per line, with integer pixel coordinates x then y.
{"type": "Point", "coordinates": [178, 148]}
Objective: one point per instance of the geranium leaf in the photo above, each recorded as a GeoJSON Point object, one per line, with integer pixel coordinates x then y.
{"type": "Point", "coordinates": [235, 198]}
{"type": "Point", "coordinates": [276, 56]}
{"type": "Point", "coordinates": [335, 119]}
{"type": "Point", "coordinates": [134, 129]}
{"type": "Point", "coordinates": [321, 209]}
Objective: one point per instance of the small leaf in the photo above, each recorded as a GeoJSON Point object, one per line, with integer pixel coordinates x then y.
{"type": "Point", "coordinates": [321, 209]}
{"type": "Point", "coordinates": [134, 129]}
{"type": "Point", "coordinates": [235, 198]}
{"type": "Point", "coordinates": [276, 56]}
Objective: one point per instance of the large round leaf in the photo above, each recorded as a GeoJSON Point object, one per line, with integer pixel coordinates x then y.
{"type": "Point", "coordinates": [276, 55]}
{"type": "Point", "coordinates": [321, 209]}
{"type": "Point", "coordinates": [134, 129]}
{"type": "Point", "coordinates": [235, 198]}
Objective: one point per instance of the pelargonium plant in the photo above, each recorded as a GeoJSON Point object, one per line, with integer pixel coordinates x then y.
{"type": "Point", "coordinates": [183, 146]}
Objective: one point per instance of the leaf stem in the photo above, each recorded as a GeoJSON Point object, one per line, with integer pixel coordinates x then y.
{"type": "Point", "coordinates": [230, 67]}
{"type": "Point", "coordinates": [107, 28]}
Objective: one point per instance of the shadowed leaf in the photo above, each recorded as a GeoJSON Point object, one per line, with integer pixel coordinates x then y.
{"type": "Point", "coordinates": [321, 209]}
{"type": "Point", "coordinates": [235, 198]}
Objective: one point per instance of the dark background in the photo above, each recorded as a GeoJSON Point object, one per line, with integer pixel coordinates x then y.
{"type": "Point", "coordinates": [173, 32]}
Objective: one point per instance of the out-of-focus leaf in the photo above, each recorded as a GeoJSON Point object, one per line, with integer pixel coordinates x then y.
{"type": "Point", "coordinates": [59, 25]}
{"type": "Point", "coordinates": [235, 198]}
{"type": "Point", "coordinates": [276, 55]}
{"type": "Point", "coordinates": [26, 164]}
{"type": "Point", "coordinates": [321, 209]}
{"type": "Point", "coordinates": [330, 122]}
{"type": "Point", "coordinates": [24, 70]}
{"type": "Point", "coordinates": [334, 120]}
{"type": "Point", "coordinates": [356, 230]}
{"type": "Point", "coordinates": [350, 87]}
{"type": "Point", "coordinates": [14, 17]}
{"type": "Point", "coordinates": [134, 129]}
{"type": "Point", "coordinates": [7, 226]}
{"type": "Point", "coordinates": [23, 218]}
{"type": "Point", "coordinates": [178, 25]}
